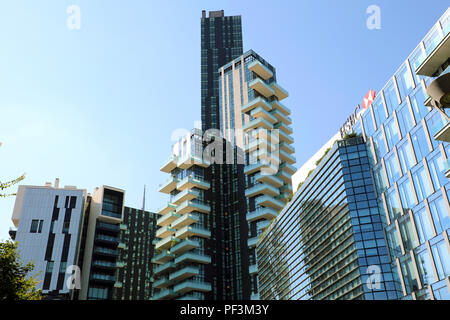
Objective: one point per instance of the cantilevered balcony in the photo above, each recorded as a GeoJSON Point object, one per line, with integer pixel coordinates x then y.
{"type": "Point", "coordinates": [185, 220]}
{"type": "Point", "coordinates": [285, 137]}
{"type": "Point", "coordinates": [184, 273]}
{"type": "Point", "coordinates": [193, 205]}
{"type": "Point", "coordinates": [287, 147]}
{"type": "Point", "coordinates": [287, 188]}
{"type": "Point", "coordinates": [286, 157]}
{"type": "Point", "coordinates": [257, 123]}
{"type": "Point", "coordinates": [263, 113]}
{"type": "Point", "coordinates": [281, 116]}
{"type": "Point", "coordinates": [253, 269]}
{"type": "Point", "coordinates": [436, 58]}
{"type": "Point", "coordinates": [169, 185]}
{"type": "Point", "coordinates": [164, 294]}
{"type": "Point", "coordinates": [161, 283]}
{"type": "Point", "coordinates": [189, 182]}
{"type": "Point", "coordinates": [259, 102]}
{"type": "Point", "coordinates": [164, 268]}
{"type": "Point", "coordinates": [185, 195]}
{"type": "Point", "coordinates": [261, 70]}
{"type": "Point", "coordinates": [268, 201]}
{"type": "Point", "coordinates": [288, 168]}
{"type": "Point", "coordinates": [258, 144]}
{"type": "Point", "coordinates": [280, 93]}
{"type": "Point", "coordinates": [169, 207]}
{"type": "Point", "coordinates": [283, 126]}
{"type": "Point", "coordinates": [262, 188]}
{"type": "Point", "coordinates": [285, 176]}
{"type": "Point", "coordinates": [190, 285]}
{"type": "Point", "coordinates": [262, 88]}
{"type": "Point", "coordinates": [262, 213]}
{"type": "Point", "coordinates": [166, 243]}
{"type": "Point", "coordinates": [165, 232]}
{"type": "Point", "coordinates": [271, 179]}
{"type": "Point", "coordinates": [193, 257]}
{"type": "Point", "coordinates": [170, 164]}
{"type": "Point", "coordinates": [188, 161]}
{"type": "Point", "coordinates": [277, 105]}
{"type": "Point", "coordinates": [185, 245]}
{"type": "Point", "coordinates": [167, 219]}
{"type": "Point", "coordinates": [251, 242]}
{"type": "Point", "coordinates": [190, 231]}
{"type": "Point", "coordinates": [260, 165]}
{"type": "Point", "coordinates": [444, 133]}
{"type": "Point", "coordinates": [163, 257]}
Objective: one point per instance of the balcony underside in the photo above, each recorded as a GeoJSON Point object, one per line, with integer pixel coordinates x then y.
{"type": "Point", "coordinates": [260, 69]}
{"type": "Point", "coordinates": [436, 58]}
{"type": "Point", "coordinates": [443, 134]}
{"type": "Point", "coordinates": [264, 213]}
{"type": "Point", "coordinates": [190, 206]}
{"type": "Point", "coordinates": [261, 87]}
{"type": "Point", "coordinates": [256, 103]}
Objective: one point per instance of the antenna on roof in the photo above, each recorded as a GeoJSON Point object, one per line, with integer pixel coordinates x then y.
{"type": "Point", "coordinates": [143, 201]}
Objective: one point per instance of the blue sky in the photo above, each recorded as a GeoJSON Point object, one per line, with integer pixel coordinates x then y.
{"type": "Point", "coordinates": [98, 105]}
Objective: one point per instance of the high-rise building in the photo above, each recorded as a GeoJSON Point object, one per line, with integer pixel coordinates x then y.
{"type": "Point", "coordinates": [134, 267]}
{"type": "Point", "coordinates": [49, 221]}
{"type": "Point", "coordinates": [406, 133]}
{"type": "Point", "coordinates": [183, 251]}
{"type": "Point", "coordinates": [328, 242]}
{"type": "Point", "coordinates": [221, 42]}
{"type": "Point", "coordinates": [253, 119]}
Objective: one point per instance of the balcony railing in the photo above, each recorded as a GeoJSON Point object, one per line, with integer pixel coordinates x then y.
{"type": "Point", "coordinates": [262, 213]}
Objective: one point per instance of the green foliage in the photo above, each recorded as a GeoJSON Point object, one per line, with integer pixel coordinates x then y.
{"type": "Point", "coordinates": [350, 135]}
{"type": "Point", "coordinates": [15, 284]}
{"type": "Point", "coordinates": [321, 158]}
{"type": "Point", "coordinates": [5, 185]}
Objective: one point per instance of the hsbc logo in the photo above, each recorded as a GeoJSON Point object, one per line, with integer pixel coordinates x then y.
{"type": "Point", "coordinates": [347, 127]}
{"type": "Point", "coordinates": [368, 99]}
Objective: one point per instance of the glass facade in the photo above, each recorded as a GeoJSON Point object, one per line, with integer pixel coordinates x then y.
{"type": "Point", "coordinates": [328, 242]}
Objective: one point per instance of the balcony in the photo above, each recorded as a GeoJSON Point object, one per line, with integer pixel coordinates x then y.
{"type": "Point", "coordinates": [189, 182]}
{"type": "Point", "coordinates": [106, 239]}
{"type": "Point", "coordinates": [262, 213]}
{"type": "Point", "coordinates": [185, 245]}
{"type": "Point", "coordinates": [190, 160]}
{"type": "Point", "coordinates": [194, 205]}
{"type": "Point", "coordinates": [193, 257]}
{"type": "Point", "coordinates": [280, 93]}
{"type": "Point", "coordinates": [106, 252]}
{"type": "Point", "coordinates": [184, 273]}
{"type": "Point", "coordinates": [103, 277]}
{"type": "Point", "coordinates": [444, 133]}
{"type": "Point", "coordinates": [282, 126]}
{"type": "Point", "coordinates": [255, 144]}
{"type": "Point", "coordinates": [281, 116]}
{"type": "Point", "coordinates": [256, 103]}
{"type": "Point", "coordinates": [167, 219]}
{"type": "Point", "coordinates": [268, 201]}
{"type": "Point", "coordinates": [161, 283]}
{"type": "Point", "coordinates": [261, 87]}
{"type": "Point", "coordinates": [185, 195]}
{"type": "Point", "coordinates": [286, 157]}
{"type": "Point", "coordinates": [105, 264]}
{"type": "Point", "coordinates": [260, 166]}
{"type": "Point", "coordinates": [277, 105]}
{"type": "Point", "coordinates": [190, 231]}
{"type": "Point", "coordinates": [287, 147]}
{"type": "Point", "coordinates": [169, 207]}
{"type": "Point", "coordinates": [170, 164]}
{"type": "Point", "coordinates": [285, 176]}
{"type": "Point", "coordinates": [261, 70]}
{"type": "Point", "coordinates": [164, 268]}
{"type": "Point", "coordinates": [185, 220]}
{"type": "Point", "coordinates": [271, 179]}
{"type": "Point", "coordinates": [263, 113]}
{"type": "Point", "coordinates": [262, 188]}
{"type": "Point", "coordinates": [166, 243]}
{"type": "Point", "coordinates": [251, 242]}
{"type": "Point", "coordinates": [163, 257]}
{"type": "Point", "coordinates": [189, 285]}
{"type": "Point", "coordinates": [165, 232]}
{"type": "Point", "coordinates": [436, 58]}
{"type": "Point", "coordinates": [164, 294]}
{"type": "Point", "coordinates": [253, 269]}
{"type": "Point", "coordinates": [285, 137]}
{"type": "Point", "coordinates": [168, 186]}
{"type": "Point", "coordinates": [256, 124]}
{"type": "Point", "coordinates": [287, 188]}
{"type": "Point", "coordinates": [290, 169]}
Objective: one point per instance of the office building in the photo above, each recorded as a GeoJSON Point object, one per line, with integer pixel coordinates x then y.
{"type": "Point", "coordinates": [183, 251]}
{"type": "Point", "coordinates": [257, 123]}
{"type": "Point", "coordinates": [49, 221]}
{"type": "Point", "coordinates": [134, 267]}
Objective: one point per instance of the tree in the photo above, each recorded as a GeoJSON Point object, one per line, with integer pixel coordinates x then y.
{"type": "Point", "coordinates": [15, 284]}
